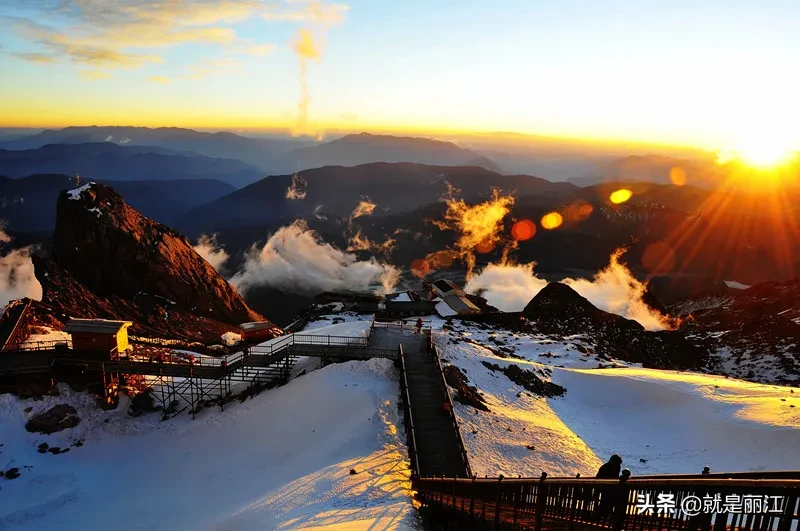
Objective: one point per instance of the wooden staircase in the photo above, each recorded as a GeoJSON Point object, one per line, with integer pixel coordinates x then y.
{"type": "Point", "coordinates": [437, 448]}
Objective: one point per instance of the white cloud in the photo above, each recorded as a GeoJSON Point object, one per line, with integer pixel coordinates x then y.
{"type": "Point", "coordinates": [211, 251]}
{"type": "Point", "coordinates": [295, 259]}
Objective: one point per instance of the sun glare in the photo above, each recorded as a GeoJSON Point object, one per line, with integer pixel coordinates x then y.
{"type": "Point", "coordinates": [765, 151]}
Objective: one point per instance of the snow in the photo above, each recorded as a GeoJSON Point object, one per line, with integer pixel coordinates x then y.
{"type": "Point", "coordinates": [736, 285]}
{"type": "Point", "coordinates": [48, 334]}
{"type": "Point", "coordinates": [677, 422]}
{"type": "Point", "coordinates": [336, 318]}
{"type": "Point", "coordinates": [260, 464]}
{"type": "Point", "coordinates": [96, 211]}
{"type": "Point", "coordinates": [76, 193]}
{"type": "Point", "coordinates": [444, 309]}
{"type": "Point", "coordinates": [231, 338]}
{"type": "Point", "coordinates": [403, 297]}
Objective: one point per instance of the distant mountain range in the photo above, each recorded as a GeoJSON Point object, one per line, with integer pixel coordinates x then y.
{"type": "Point", "coordinates": [254, 151]}
{"type": "Point", "coordinates": [334, 191]}
{"type": "Point", "coordinates": [259, 155]}
{"type": "Point", "coordinates": [353, 150]}
{"type": "Point", "coordinates": [29, 204]}
{"type": "Point", "coordinates": [106, 160]}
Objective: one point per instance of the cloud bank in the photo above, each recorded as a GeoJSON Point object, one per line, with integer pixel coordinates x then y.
{"type": "Point", "coordinates": [613, 289]}
{"type": "Point", "coordinates": [296, 259]}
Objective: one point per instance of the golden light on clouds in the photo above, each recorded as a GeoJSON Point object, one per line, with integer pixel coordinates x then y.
{"type": "Point", "coordinates": [620, 196]}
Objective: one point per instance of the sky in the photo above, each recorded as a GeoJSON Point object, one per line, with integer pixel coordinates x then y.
{"type": "Point", "coordinates": [706, 73]}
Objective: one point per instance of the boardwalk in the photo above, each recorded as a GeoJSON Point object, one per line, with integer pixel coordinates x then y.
{"type": "Point", "coordinates": [436, 438]}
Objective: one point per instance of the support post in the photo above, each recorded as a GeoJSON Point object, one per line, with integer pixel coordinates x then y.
{"type": "Point", "coordinates": [541, 496]}
{"type": "Point", "coordinates": [621, 503]}
{"type": "Point", "coordinates": [497, 501]}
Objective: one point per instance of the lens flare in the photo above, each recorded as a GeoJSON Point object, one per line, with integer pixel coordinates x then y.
{"type": "Point", "coordinates": [523, 229]}
{"type": "Point", "coordinates": [677, 176]}
{"type": "Point", "coordinates": [551, 221]}
{"type": "Point", "coordinates": [620, 196]}
{"type": "Point", "coordinates": [658, 258]}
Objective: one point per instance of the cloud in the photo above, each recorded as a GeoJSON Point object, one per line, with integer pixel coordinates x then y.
{"type": "Point", "coordinates": [296, 259]}
{"type": "Point", "coordinates": [158, 79]}
{"type": "Point", "coordinates": [510, 287]}
{"type": "Point", "coordinates": [211, 251]}
{"type": "Point", "coordinates": [17, 277]}
{"type": "Point", "coordinates": [94, 74]}
{"type": "Point", "coordinates": [307, 45]}
{"type": "Point", "coordinates": [42, 58]}
{"type": "Point", "coordinates": [210, 67]}
{"type": "Point", "coordinates": [254, 49]}
{"type": "Point", "coordinates": [129, 33]}
{"type": "Point", "coordinates": [297, 189]}
{"type": "Point", "coordinates": [325, 13]}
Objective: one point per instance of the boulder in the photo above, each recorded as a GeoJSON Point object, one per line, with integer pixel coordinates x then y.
{"type": "Point", "coordinates": [57, 418]}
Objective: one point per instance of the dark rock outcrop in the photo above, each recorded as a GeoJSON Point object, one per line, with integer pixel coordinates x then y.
{"type": "Point", "coordinates": [57, 418]}
{"type": "Point", "coordinates": [465, 393]}
{"type": "Point", "coordinates": [559, 310]}
{"type": "Point", "coordinates": [528, 380]}
{"type": "Point", "coordinates": [113, 250]}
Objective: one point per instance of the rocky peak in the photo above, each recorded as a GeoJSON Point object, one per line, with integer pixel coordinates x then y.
{"type": "Point", "coordinates": [560, 311]}
{"type": "Point", "coordinates": [112, 250]}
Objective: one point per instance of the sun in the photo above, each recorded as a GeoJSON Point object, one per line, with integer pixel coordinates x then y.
{"type": "Point", "coordinates": [765, 154]}
{"type": "Point", "coordinates": [767, 150]}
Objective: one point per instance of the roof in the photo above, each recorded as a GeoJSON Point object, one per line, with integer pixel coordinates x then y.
{"type": "Point", "coordinates": [256, 325]}
{"type": "Point", "coordinates": [461, 304]}
{"type": "Point", "coordinates": [409, 306]}
{"type": "Point", "coordinates": [95, 326]}
{"type": "Point", "coordinates": [444, 285]}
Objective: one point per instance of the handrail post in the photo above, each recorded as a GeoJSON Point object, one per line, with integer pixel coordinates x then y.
{"type": "Point", "coordinates": [541, 495]}
{"type": "Point", "coordinates": [785, 521]}
{"type": "Point", "coordinates": [621, 505]}
{"type": "Point", "coordinates": [472, 500]}
{"type": "Point", "coordinates": [497, 501]}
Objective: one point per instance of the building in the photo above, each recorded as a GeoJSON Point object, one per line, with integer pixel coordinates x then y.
{"type": "Point", "coordinates": [454, 300]}
{"type": "Point", "coordinates": [460, 304]}
{"type": "Point", "coordinates": [443, 287]}
{"type": "Point", "coordinates": [257, 330]}
{"type": "Point", "coordinates": [99, 337]}
{"type": "Point", "coordinates": [395, 310]}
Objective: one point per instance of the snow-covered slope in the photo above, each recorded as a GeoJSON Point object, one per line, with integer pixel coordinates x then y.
{"type": "Point", "coordinates": [659, 421]}
{"type": "Point", "coordinates": [278, 461]}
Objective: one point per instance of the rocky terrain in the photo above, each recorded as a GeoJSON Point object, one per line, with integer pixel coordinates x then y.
{"type": "Point", "coordinates": [108, 261]}
{"type": "Point", "coordinates": [559, 310]}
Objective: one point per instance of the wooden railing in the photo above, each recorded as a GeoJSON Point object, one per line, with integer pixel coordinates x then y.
{"type": "Point", "coordinates": [408, 419]}
{"type": "Point", "coordinates": [665, 503]}
{"type": "Point", "coordinates": [453, 418]}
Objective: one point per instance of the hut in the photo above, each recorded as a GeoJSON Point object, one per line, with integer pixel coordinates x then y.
{"type": "Point", "coordinates": [99, 337]}
{"type": "Point", "coordinates": [257, 330]}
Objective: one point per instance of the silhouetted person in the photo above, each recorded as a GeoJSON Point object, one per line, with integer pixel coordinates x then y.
{"type": "Point", "coordinates": [419, 325]}
{"type": "Point", "coordinates": [611, 469]}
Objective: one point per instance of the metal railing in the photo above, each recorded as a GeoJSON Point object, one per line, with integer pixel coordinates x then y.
{"type": "Point", "coordinates": [698, 503]}
{"type": "Point", "coordinates": [408, 419]}
{"type": "Point", "coordinates": [453, 419]}
{"type": "Point", "coordinates": [31, 346]}
{"type": "Point", "coordinates": [308, 339]}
